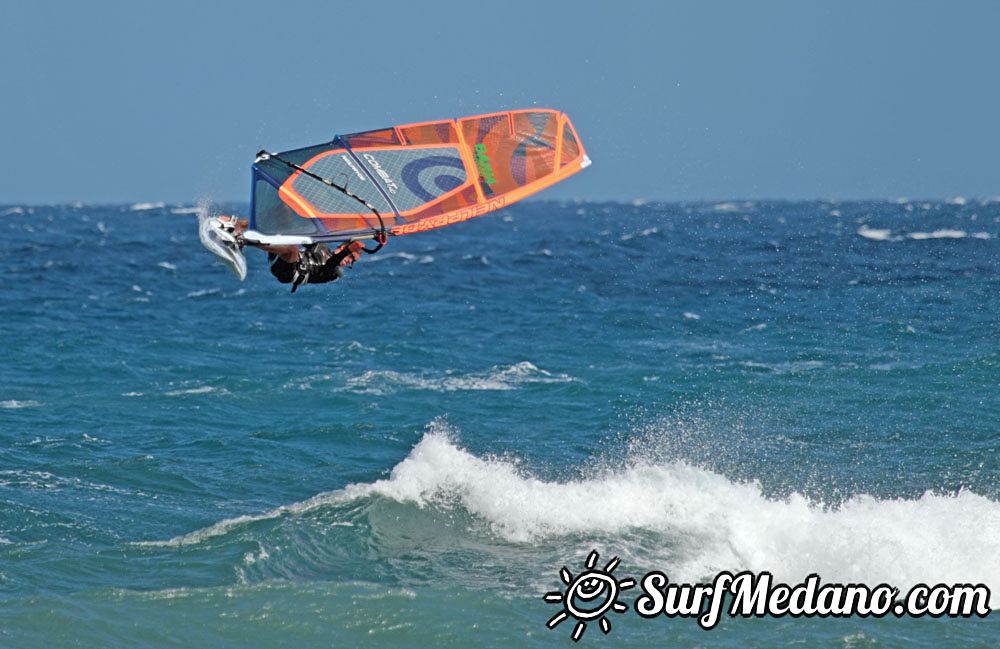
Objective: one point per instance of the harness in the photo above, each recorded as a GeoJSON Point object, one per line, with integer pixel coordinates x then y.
{"type": "Point", "coordinates": [316, 264]}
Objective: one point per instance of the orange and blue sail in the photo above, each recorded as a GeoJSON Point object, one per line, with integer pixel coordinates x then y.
{"type": "Point", "coordinates": [415, 177]}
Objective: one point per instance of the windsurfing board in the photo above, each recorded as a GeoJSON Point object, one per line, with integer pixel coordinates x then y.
{"type": "Point", "coordinates": [221, 242]}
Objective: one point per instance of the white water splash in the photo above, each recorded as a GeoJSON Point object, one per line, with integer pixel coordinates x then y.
{"type": "Point", "coordinates": [13, 404]}
{"type": "Point", "coordinates": [704, 521]}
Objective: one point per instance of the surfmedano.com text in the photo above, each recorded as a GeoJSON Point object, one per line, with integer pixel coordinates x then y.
{"type": "Point", "coordinates": [758, 595]}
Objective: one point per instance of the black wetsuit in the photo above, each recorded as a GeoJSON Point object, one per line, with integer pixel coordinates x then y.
{"type": "Point", "coordinates": [316, 265]}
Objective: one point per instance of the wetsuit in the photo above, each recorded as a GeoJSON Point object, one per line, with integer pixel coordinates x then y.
{"type": "Point", "coordinates": [316, 265]}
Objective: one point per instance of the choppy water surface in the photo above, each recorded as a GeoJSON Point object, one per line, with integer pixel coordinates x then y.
{"type": "Point", "coordinates": [407, 457]}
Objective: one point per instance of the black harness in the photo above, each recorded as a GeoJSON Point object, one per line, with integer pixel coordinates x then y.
{"type": "Point", "coordinates": [316, 265]}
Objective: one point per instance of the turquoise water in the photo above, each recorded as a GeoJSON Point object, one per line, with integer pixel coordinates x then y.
{"type": "Point", "coordinates": [407, 457]}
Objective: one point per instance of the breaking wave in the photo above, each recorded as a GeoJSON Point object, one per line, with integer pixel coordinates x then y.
{"type": "Point", "coordinates": [686, 519]}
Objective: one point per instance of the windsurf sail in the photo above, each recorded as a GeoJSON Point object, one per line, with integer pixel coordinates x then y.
{"type": "Point", "coordinates": [410, 178]}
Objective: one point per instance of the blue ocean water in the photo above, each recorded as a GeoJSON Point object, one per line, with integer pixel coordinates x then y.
{"type": "Point", "coordinates": [408, 457]}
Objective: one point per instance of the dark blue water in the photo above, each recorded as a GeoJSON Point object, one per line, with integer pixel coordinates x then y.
{"type": "Point", "coordinates": [408, 456]}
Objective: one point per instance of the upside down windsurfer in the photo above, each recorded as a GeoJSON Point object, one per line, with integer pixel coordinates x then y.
{"type": "Point", "coordinates": [418, 177]}
{"type": "Point", "coordinates": [294, 265]}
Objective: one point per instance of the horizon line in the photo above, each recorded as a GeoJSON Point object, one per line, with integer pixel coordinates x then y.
{"type": "Point", "coordinates": [955, 199]}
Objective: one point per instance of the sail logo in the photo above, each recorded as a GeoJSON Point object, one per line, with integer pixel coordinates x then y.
{"type": "Point", "coordinates": [390, 184]}
{"type": "Point", "coordinates": [448, 218]}
{"type": "Point", "coordinates": [484, 165]}
{"type": "Point", "coordinates": [357, 172]}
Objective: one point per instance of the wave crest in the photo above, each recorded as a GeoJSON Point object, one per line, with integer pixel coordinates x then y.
{"type": "Point", "coordinates": [688, 520]}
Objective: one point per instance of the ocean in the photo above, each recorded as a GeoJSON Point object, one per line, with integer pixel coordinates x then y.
{"type": "Point", "coordinates": [409, 456]}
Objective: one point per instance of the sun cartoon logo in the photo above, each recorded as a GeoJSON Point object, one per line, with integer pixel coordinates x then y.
{"type": "Point", "coordinates": [589, 596]}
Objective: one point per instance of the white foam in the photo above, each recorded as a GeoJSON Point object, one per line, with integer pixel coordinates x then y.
{"type": "Point", "coordinates": [12, 210]}
{"type": "Point", "coordinates": [875, 234]}
{"type": "Point", "coordinates": [167, 265]}
{"type": "Point", "coordinates": [715, 523]}
{"type": "Point", "coordinates": [943, 233]}
{"type": "Point", "coordinates": [408, 258]}
{"type": "Point", "coordinates": [204, 292]}
{"type": "Point", "coordinates": [938, 234]}
{"type": "Point", "coordinates": [642, 233]}
{"type": "Point", "coordinates": [499, 377]}
{"type": "Point", "coordinates": [13, 404]}
{"type": "Point", "coordinates": [202, 389]}
{"type": "Point", "coordinates": [688, 315]}
{"type": "Point", "coordinates": [46, 480]}
{"type": "Point", "coordinates": [186, 210]}
{"type": "Point", "coordinates": [787, 367]}
{"type": "Point", "coordinates": [703, 521]}
{"type": "Point", "coordinates": [140, 207]}
{"type": "Point", "coordinates": [725, 207]}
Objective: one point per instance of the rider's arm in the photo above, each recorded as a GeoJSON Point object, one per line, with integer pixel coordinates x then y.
{"type": "Point", "coordinates": [287, 253]}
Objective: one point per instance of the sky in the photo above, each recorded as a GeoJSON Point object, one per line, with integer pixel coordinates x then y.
{"type": "Point", "coordinates": [104, 102]}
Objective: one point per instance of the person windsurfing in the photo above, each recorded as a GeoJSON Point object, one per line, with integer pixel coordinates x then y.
{"type": "Point", "coordinates": [296, 265]}
{"type": "Point", "coordinates": [365, 187]}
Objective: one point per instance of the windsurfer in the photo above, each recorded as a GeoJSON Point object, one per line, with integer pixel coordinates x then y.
{"type": "Point", "coordinates": [296, 265]}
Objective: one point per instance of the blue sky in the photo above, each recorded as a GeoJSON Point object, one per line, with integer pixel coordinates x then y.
{"type": "Point", "coordinates": [135, 101]}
